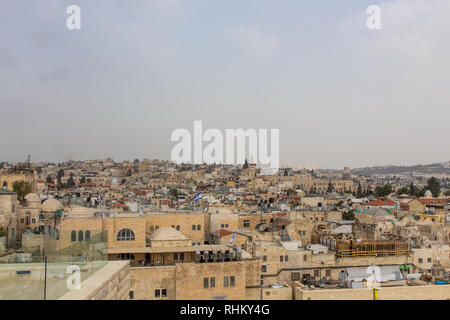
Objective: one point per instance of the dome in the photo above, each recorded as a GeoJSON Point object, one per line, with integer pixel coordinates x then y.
{"type": "Point", "coordinates": [167, 233]}
{"type": "Point", "coordinates": [51, 205]}
{"type": "Point", "coordinates": [78, 211]}
{"type": "Point", "coordinates": [32, 197]}
{"type": "Point", "coordinates": [428, 194]}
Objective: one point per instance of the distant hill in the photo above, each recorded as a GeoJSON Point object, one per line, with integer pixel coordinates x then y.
{"type": "Point", "coordinates": [435, 168]}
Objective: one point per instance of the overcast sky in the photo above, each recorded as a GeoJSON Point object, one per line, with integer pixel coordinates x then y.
{"type": "Point", "coordinates": [341, 95]}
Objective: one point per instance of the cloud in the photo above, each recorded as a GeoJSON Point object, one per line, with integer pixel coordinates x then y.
{"type": "Point", "coordinates": [252, 41]}
{"type": "Point", "coordinates": [412, 31]}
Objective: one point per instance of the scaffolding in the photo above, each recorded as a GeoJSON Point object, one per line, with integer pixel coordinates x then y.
{"type": "Point", "coordinates": [371, 248]}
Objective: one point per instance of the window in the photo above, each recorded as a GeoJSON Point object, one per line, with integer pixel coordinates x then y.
{"type": "Point", "coordinates": [73, 236]}
{"type": "Point", "coordinates": [80, 236]}
{"type": "Point", "coordinates": [247, 223]}
{"type": "Point", "coordinates": [225, 281]}
{"type": "Point", "coordinates": [164, 293]}
{"type": "Point", "coordinates": [226, 225]}
{"type": "Point", "coordinates": [430, 260]}
{"type": "Point", "coordinates": [305, 257]}
{"type": "Point", "coordinates": [264, 268]}
{"type": "Point", "coordinates": [232, 281]}
{"type": "Point", "coordinates": [22, 220]}
{"type": "Point", "coordinates": [206, 283]}
{"type": "Point", "coordinates": [264, 258]}
{"type": "Point", "coordinates": [126, 256]}
{"type": "Point", "coordinates": [193, 227]}
{"type": "Point", "coordinates": [316, 273]}
{"type": "Point", "coordinates": [175, 256]}
{"type": "Point", "coordinates": [281, 258]}
{"type": "Point", "coordinates": [178, 228]}
{"type": "Point", "coordinates": [125, 235]}
{"type": "Point", "coordinates": [328, 273]}
{"type": "Point", "coordinates": [286, 258]}
{"type": "Point", "coordinates": [199, 227]}
{"type": "Point", "coordinates": [156, 227]}
{"type": "Point", "coordinates": [157, 293]}
{"type": "Point", "coordinates": [131, 295]}
{"type": "Point", "coordinates": [222, 226]}
{"type": "Point", "coordinates": [182, 256]}
{"type": "Point", "coordinates": [420, 260]}
{"type": "Point", "coordinates": [295, 276]}
{"type": "Point", "coordinates": [87, 235]}
{"type": "Point", "coordinates": [33, 220]}
{"type": "Point", "coordinates": [152, 228]}
{"type": "Point", "coordinates": [212, 282]}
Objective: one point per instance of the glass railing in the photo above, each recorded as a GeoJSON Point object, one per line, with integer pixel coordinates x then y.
{"type": "Point", "coordinates": [52, 267]}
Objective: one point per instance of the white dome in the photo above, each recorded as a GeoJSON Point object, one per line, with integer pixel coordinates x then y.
{"type": "Point", "coordinates": [78, 211]}
{"type": "Point", "coordinates": [32, 197]}
{"type": "Point", "coordinates": [51, 205]}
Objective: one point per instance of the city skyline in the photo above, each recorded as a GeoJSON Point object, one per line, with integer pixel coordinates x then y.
{"type": "Point", "coordinates": [341, 95]}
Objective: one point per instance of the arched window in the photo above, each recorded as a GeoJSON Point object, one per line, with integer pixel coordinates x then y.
{"type": "Point", "coordinates": [125, 235]}
{"type": "Point", "coordinates": [173, 226]}
{"type": "Point", "coordinates": [87, 235]}
{"type": "Point", "coordinates": [199, 227]}
{"type": "Point", "coordinates": [193, 227]}
{"type": "Point", "coordinates": [5, 185]}
{"type": "Point", "coordinates": [178, 228]}
{"type": "Point", "coordinates": [80, 236]}
{"type": "Point", "coordinates": [152, 228]}
{"type": "Point", "coordinates": [73, 236]}
{"type": "Point", "coordinates": [157, 227]}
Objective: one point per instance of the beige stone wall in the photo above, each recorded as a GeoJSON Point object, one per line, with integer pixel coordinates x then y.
{"type": "Point", "coordinates": [432, 292]}
{"type": "Point", "coordinates": [145, 280]}
{"type": "Point", "coordinates": [189, 280]}
{"type": "Point", "coordinates": [184, 220]}
{"type": "Point", "coordinates": [277, 293]}
{"type": "Point", "coordinates": [112, 282]}
{"type": "Point", "coordinates": [11, 178]}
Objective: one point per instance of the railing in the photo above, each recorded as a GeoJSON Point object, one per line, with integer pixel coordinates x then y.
{"type": "Point", "coordinates": [375, 253]}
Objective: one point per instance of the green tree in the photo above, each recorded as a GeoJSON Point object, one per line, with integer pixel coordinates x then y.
{"type": "Point", "coordinates": [49, 179]}
{"type": "Point", "coordinates": [59, 176]}
{"type": "Point", "coordinates": [83, 179]}
{"type": "Point", "coordinates": [330, 187]}
{"type": "Point", "coordinates": [359, 193]}
{"type": "Point", "coordinates": [434, 186]}
{"type": "Point", "coordinates": [348, 215]}
{"type": "Point", "coordinates": [245, 164]}
{"type": "Point", "coordinates": [403, 190]}
{"type": "Point", "coordinates": [384, 190]}
{"type": "Point", "coordinates": [22, 188]}
{"type": "Point", "coordinates": [70, 183]}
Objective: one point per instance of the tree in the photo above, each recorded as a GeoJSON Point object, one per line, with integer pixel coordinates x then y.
{"type": "Point", "coordinates": [348, 215]}
{"type": "Point", "coordinates": [49, 179]}
{"type": "Point", "coordinates": [434, 186]}
{"type": "Point", "coordinates": [383, 191]}
{"type": "Point", "coordinates": [83, 179]}
{"type": "Point", "coordinates": [129, 173]}
{"type": "Point", "coordinates": [59, 176]}
{"type": "Point", "coordinates": [246, 164]}
{"type": "Point", "coordinates": [403, 190]}
{"type": "Point", "coordinates": [22, 188]}
{"type": "Point", "coordinates": [359, 193]}
{"type": "Point", "coordinates": [70, 183]}
{"type": "Point", "coordinates": [330, 187]}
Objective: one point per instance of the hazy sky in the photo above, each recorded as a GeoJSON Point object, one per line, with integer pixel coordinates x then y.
{"type": "Point", "coordinates": [340, 94]}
